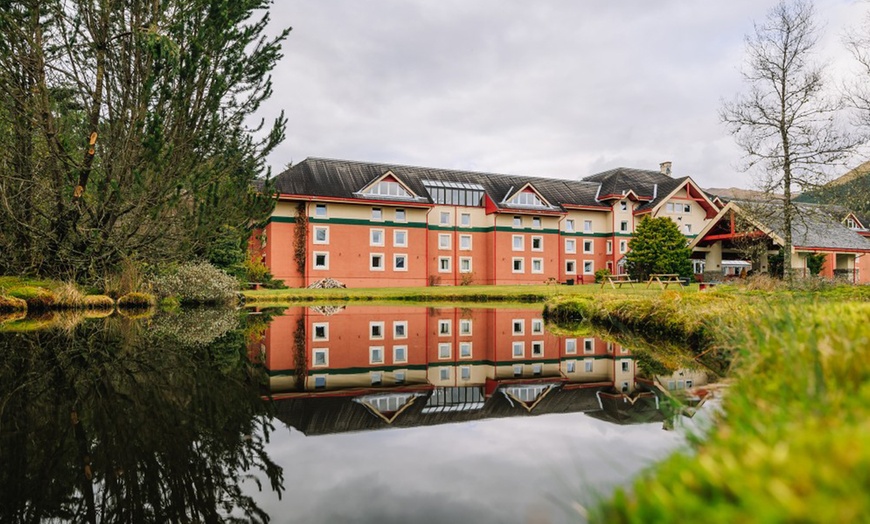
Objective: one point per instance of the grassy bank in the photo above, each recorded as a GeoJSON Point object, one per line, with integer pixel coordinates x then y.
{"type": "Point", "coordinates": [793, 444]}
{"type": "Point", "coordinates": [41, 295]}
{"type": "Point", "coordinates": [530, 293]}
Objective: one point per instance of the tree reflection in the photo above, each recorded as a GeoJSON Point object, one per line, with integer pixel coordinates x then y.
{"type": "Point", "coordinates": [117, 420]}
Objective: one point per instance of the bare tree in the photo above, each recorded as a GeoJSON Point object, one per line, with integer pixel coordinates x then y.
{"type": "Point", "coordinates": [788, 126]}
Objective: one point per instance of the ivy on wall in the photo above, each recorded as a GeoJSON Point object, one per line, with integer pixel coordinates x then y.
{"type": "Point", "coordinates": [301, 355]}
{"type": "Point", "coordinates": [301, 238]}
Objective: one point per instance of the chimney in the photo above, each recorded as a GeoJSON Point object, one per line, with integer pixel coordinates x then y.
{"type": "Point", "coordinates": [665, 168]}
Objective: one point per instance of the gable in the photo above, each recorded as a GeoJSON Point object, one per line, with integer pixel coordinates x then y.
{"type": "Point", "coordinates": [389, 186]}
{"type": "Point", "coordinates": [528, 196]}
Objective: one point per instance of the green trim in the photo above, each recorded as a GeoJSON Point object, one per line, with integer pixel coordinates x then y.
{"type": "Point", "coordinates": [460, 229]}
{"type": "Point", "coordinates": [346, 371]}
{"type": "Point", "coordinates": [508, 229]}
{"type": "Point", "coordinates": [281, 220]}
{"type": "Point", "coordinates": [363, 222]}
{"type": "Point", "coordinates": [583, 234]}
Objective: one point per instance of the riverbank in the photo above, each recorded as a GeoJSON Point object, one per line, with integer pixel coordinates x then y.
{"type": "Point", "coordinates": [22, 295]}
{"type": "Point", "coordinates": [792, 444]}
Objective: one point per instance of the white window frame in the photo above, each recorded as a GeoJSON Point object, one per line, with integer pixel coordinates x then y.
{"type": "Point", "coordinates": [570, 346]}
{"type": "Point", "coordinates": [396, 349]}
{"type": "Point", "coordinates": [522, 262]}
{"type": "Point", "coordinates": [325, 230]}
{"type": "Point", "coordinates": [465, 261]}
{"type": "Point", "coordinates": [518, 246]}
{"type": "Point", "coordinates": [537, 223]}
{"type": "Point", "coordinates": [623, 205]}
{"type": "Point", "coordinates": [377, 214]}
{"type": "Point", "coordinates": [444, 242]}
{"type": "Point", "coordinates": [404, 325]}
{"type": "Point", "coordinates": [538, 348]}
{"type": "Point", "coordinates": [396, 234]}
{"type": "Point", "coordinates": [518, 349]}
{"type": "Point", "coordinates": [570, 245]}
{"type": "Point", "coordinates": [444, 218]}
{"type": "Point", "coordinates": [444, 373]}
{"type": "Point", "coordinates": [314, 263]}
{"type": "Point", "coordinates": [465, 350]}
{"type": "Point", "coordinates": [320, 351]}
{"type": "Point", "coordinates": [623, 246]}
{"type": "Point", "coordinates": [537, 369]}
{"type": "Point", "coordinates": [571, 366]}
{"type": "Point", "coordinates": [588, 365]}
{"type": "Point", "coordinates": [372, 257]}
{"type": "Point", "coordinates": [571, 267]}
{"type": "Point", "coordinates": [465, 220]}
{"type": "Point", "coordinates": [376, 232]}
{"type": "Point", "coordinates": [325, 337]}
{"type": "Point", "coordinates": [517, 222]}
{"type": "Point", "coordinates": [587, 226]}
{"type": "Point", "coordinates": [521, 322]}
{"type": "Point", "coordinates": [590, 244]}
{"type": "Point", "coordinates": [588, 346]}
{"type": "Point", "coordinates": [445, 351]}
{"type": "Point", "coordinates": [464, 372]}
{"type": "Point", "coordinates": [372, 350]}
{"type": "Point", "coordinates": [403, 217]}
{"type": "Point", "coordinates": [537, 326]}
{"type": "Point", "coordinates": [319, 381]}
{"type": "Point", "coordinates": [518, 370]}
{"type": "Point", "coordinates": [623, 226]}
{"type": "Point", "coordinates": [441, 268]}
{"type": "Point", "coordinates": [609, 247]}
{"type": "Point", "coordinates": [396, 257]}
{"type": "Point", "coordinates": [379, 324]}
{"type": "Point", "coordinates": [625, 365]}
{"type": "Point", "coordinates": [465, 327]}
{"type": "Point", "coordinates": [320, 210]}
{"type": "Point", "coordinates": [687, 229]}
{"type": "Point", "coordinates": [569, 225]}
{"type": "Point", "coordinates": [463, 245]}
{"type": "Point", "coordinates": [540, 240]}
{"type": "Point", "coordinates": [445, 327]}
{"type": "Point", "coordinates": [540, 263]}
{"type": "Point", "coordinates": [377, 378]}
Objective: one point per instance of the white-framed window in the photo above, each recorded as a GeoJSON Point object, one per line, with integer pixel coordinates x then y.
{"type": "Point", "coordinates": [623, 205]}
{"type": "Point", "coordinates": [626, 365]}
{"type": "Point", "coordinates": [320, 357]}
{"type": "Point", "coordinates": [321, 235]}
{"type": "Point", "coordinates": [320, 331]}
{"type": "Point", "coordinates": [400, 377]}
{"type": "Point", "coordinates": [465, 350]}
{"type": "Point", "coordinates": [536, 222]}
{"type": "Point", "coordinates": [609, 247]}
{"type": "Point", "coordinates": [377, 214]}
{"type": "Point", "coordinates": [570, 245]}
{"type": "Point", "coordinates": [569, 225]}
{"type": "Point", "coordinates": [623, 226]}
{"type": "Point", "coordinates": [687, 208]}
{"type": "Point", "coordinates": [444, 264]}
{"type": "Point", "coordinates": [517, 243]}
{"type": "Point", "coordinates": [401, 216]}
{"type": "Point", "coordinates": [537, 243]}
{"type": "Point", "coordinates": [321, 260]}
{"type": "Point", "coordinates": [445, 327]}
{"type": "Point", "coordinates": [465, 372]}
{"type": "Point", "coordinates": [537, 326]}
{"type": "Point", "coordinates": [623, 246]}
{"type": "Point", "coordinates": [571, 346]}
{"type": "Point", "coordinates": [851, 224]}
{"type": "Point", "coordinates": [670, 207]}
{"type": "Point", "coordinates": [400, 262]}
{"type": "Point", "coordinates": [444, 373]}
{"type": "Point", "coordinates": [465, 326]}
{"type": "Point", "coordinates": [518, 370]}
{"type": "Point", "coordinates": [588, 267]}
{"type": "Point", "coordinates": [570, 366]}
{"type": "Point", "coordinates": [444, 350]}
{"type": "Point", "coordinates": [610, 347]}
{"type": "Point", "coordinates": [319, 381]}
{"type": "Point", "coordinates": [465, 220]}
{"type": "Point", "coordinates": [320, 210]}
{"type": "Point", "coordinates": [465, 242]}
{"type": "Point", "coordinates": [376, 354]}
{"type": "Point", "coordinates": [465, 264]}
{"type": "Point", "coordinates": [377, 378]}
{"type": "Point", "coordinates": [570, 267]}
{"type": "Point", "coordinates": [588, 246]}
{"type": "Point", "coordinates": [587, 364]}
{"type": "Point", "coordinates": [588, 345]}
{"type": "Point", "coordinates": [537, 265]}
{"type": "Point", "coordinates": [519, 349]}
{"type": "Point", "coordinates": [400, 238]}
{"type": "Point", "coordinates": [687, 229]}
{"type": "Point", "coordinates": [587, 226]}
{"type": "Point", "coordinates": [443, 241]}
{"type": "Point", "coordinates": [518, 221]}
{"type": "Point", "coordinates": [538, 348]}
{"type": "Point", "coordinates": [537, 369]}
{"type": "Point", "coordinates": [376, 330]}
{"type": "Point", "coordinates": [517, 265]}
{"type": "Point", "coordinates": [445, 218]}
{"type": "Point", "coordinates": [400, 354]}
{"type": "Point", "coordinates": [376, 261]}
{"type": "Point", "coordinates": [528, 198]}
{"type": "Point", "coordinates": [518, 326]}
{"type": "Point", "coordinates": [400, 329]}
{"type": "Point", "coordinates": [388, 188]}
{"type": "Point", "coordinates": [376, 237]}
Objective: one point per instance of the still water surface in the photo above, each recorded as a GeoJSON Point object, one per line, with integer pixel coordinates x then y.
{"type": "Point", "coordinates": [322, 414]}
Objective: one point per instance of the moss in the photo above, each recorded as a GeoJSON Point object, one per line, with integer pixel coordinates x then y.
{"type": "Point", "coordinates": [37, 298]}
{"type": "Point", "coordinates": [12, 304]}
{"type": "Point", "coordinates": [136, 301]}
{"type": "Point", "coordinates": [101, 302]}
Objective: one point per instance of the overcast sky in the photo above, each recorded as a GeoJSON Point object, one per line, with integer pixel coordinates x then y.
{"type": "Point", "coordinates": [547, 88]}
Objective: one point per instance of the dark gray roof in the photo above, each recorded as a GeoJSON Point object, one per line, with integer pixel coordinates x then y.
{"type": "Point", "coordinates": [342, 179]}
{"type": "Point", "coordinates": [814, 225]}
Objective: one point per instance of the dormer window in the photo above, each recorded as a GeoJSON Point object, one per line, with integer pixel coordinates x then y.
{"type": "Point", "coordinates": [388, 188]}
{"type": "Point", "coordinates": [528, 198]}
{"type": "Point", "coordinates": [850, 223]}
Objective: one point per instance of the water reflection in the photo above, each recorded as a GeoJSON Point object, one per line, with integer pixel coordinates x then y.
{"type": "Point", "coordinates": [120, 420]}
{"type": "Point", "coordinates": [364, 368]}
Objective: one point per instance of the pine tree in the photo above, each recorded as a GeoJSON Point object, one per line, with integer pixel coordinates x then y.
{"type": "Point", "coordinates": [658, 247]}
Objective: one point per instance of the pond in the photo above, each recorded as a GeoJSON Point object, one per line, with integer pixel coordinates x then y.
{"type": "Point", "coordinates": [326, 414]}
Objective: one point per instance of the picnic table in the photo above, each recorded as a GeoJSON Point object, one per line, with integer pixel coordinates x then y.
{"type": "Point", "coordinates": [618, 280]}
{"type": "Point", "coordinates": [664, 279]}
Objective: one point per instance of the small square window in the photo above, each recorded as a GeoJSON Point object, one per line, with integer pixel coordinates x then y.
{"type": "Point", "coordinates": [400, 377]}
{"type": "Point", "coordinates": [377, 378]}
{"type": "Point", "coordinates": [569, 225]}
{"type": "Point", "coordinates": [588, 363]}
{"type": "Point", "coordinates": [687, 229]}
{"type": "Point", "coordinates": [320, 210]}
{"type": "Point", "coordinates": [321, 260]}
{"type": "Point", "coordinates": [465, 219]}
{"type": "Point", "coordinates": [570, 245]}
{"type": "Point", "coordinates": [444, 264]}
{"type": "Point", "coordinates": [536, 369]}
{"type": "Point", "coordinates": [537, 326]}
{"type": "Point", "coordinates": [445, 373]}
{"type": "Point", "coordinates": [610, 347]}
{"type": "Point", "coordinates": [626, 366]}
{"type": "Point", "coordinates": [465, 326]}
{"type": "Point", "coordinates": [571, 346]}
{"type": "Point", "coordinates": [588, 267]}
{"type": "Point", "coordinates": [444, 328]}
{"type": "Point", "coordinates": [400, 215]}
{"type": "Point", "coordinates": [571, 267]}
{"type": "Point", "coordinates": [670, 207]}
{"type": "Point", "coordinates": [519, 327]}
{"type": "Point", "coordinates": [377, 214]}
{"type": "Point", "coordinates": [400, 329]}
{"type": "Point", "coordinates": [609, 247]}
{"type": "Point", "coordinates": [687, 208]}
{"type": "Point", "coordinates": [376, 237]}
{"type": "Point", "coordinates": [623, 246]}
{"type": "Point", "coordinates": [537, 349]}
{"type": "Point", "coordinates": [537, 265]}
{"type": "Point", "coordinates": [623, 226]}
{"type": "Point", "coordinates": [518, 221]}
{"type": "Point", "coordinates": [587, 246]}
{"type": "Point", "coordinates": [445, 218]}
{"type": "Point", "coordinates": [320, 331]}
{"type": "Point", "coordinates": [587, 226]}
{"type": "Point", "coordinates": [518, 371]}
{"type": "Point", "coordinates": [465, 373]}
{"type": "Point", "coordinates": [517, 243]}
{"type": "Point", "coordinates": [536, 222]}
{"type": "Point", "coordinates": [319, 382]}
{"type": "Point", "coordinates": [376, 262]}
{"type": "Point", "coordinates": [400, 354]}
{"type": "Point", "coordinates": [588, 345]}
{"type": "Point", "coordinates": [400, 238]}
{"type": "Point", "coordinates": [519, 349]}
{"type": "Point", "coordinates": [465, 242]}
{"type": "Point", "coordinates": [537, 243]}
{"type": "Point", "coordinates": [465, 264]}
{"type": "Point", "coordinates": [443, 241]}
{"type": "Point", "coordinates": [465, 350]}
{"type": "Point", "coordinates": [570, 366]}
{"type": "Point", "coordinates": [400, 262]}
{"type": "Point", "coordinates": [444, 350]}
{"type": "Point", "coordinates": [376, 330]}
{"type": "Point", "coordinates": [321, 357]}
{"type": "Point", "coordinates": [321, 235]}
{"type": "Point", "coordinates": [623, 205]}
{"type": "Point", "coordinates": [517, 265]}
{"type": "Point", "coordinates": [376, 355]}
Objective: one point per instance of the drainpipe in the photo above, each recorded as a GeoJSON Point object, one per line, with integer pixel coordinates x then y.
{"type": "Point", "coordinates": [426, 243]}
{"type": "Point", "coordinates": [494, 248]}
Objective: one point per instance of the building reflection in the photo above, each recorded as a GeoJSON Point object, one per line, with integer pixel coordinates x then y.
{"type": "Point", "coordinates": [361, 368]}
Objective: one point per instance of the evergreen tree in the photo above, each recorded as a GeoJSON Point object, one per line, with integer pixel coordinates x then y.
{"type": "Point", "coordinates": [658, 247]}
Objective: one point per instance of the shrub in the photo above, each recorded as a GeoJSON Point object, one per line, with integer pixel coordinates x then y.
{"type": "Point", "coordinates": [68, 295]}
{"type": "Point", "coordinates": [467, 279]}
{"type": "Point", "coordinates": [197, 283]}
{"type": "Point", "coordinates": [12, 304]}
{"type": "Point", "coordinates": [601, 274]}
{"type": "Point", "coordinates": [136, 301]}
{"type": "Point", "coordinates": [37, 298]}
{"type": "Point", "coordinates": [101, 302]}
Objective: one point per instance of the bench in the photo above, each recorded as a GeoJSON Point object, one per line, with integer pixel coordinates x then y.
{"type": "Point", "coordinates": [617, 281]}
{"type": "Point", "coordinates": [664, 280]}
